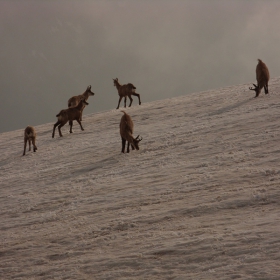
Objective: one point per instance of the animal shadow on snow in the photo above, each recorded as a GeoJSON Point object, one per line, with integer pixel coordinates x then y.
{"type": "Point", "coordinates": [231, 107]}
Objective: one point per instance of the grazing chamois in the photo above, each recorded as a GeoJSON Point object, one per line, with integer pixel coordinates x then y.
{"type": "Point", "coordinates": [124, 91]}
{"type": "Point", "coordinates": [71, 114]}
{"type": "Point", "coordinates": [262, 75]}
{"type": "Point", "coordinates": [29, 135]}
{"type": "Point", "coordinates": [126, 131]}
{"type": "Point", "coordinates": [74, 101]}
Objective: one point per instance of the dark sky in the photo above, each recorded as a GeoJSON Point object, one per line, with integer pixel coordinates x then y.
{"type": "Point", "coordinates": [52, 50]}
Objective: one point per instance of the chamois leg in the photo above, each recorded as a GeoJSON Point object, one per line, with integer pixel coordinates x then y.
{"type": "Point", "coordinates": [29, 143]}
{"type": "Point", "coordinates": [130, 98]}
{"type": "Point", "coordinates": [62, 123]}
{"type": "Point", "coordinates": [127, 150]}
{"type": "Point", "coordinates": [263, 89]}
{"type": "Point", "coordinates": [59, 129]}
{"type": "Point", "coordinates": [34, 145]}
{"type": "Point", "coordinates": [80, 124]}
{"type": "Point", "coordinates": [71, 125]}
{"type": "Point", "coordinates": [81, 117]}
{"type": "Point", "coordinates": [138, 95]}
{"type": "Point", "coordinates": [120, 99]}
{"type": "Point", "coordinates": [257, 93]}
{"type": "Point", "coordinates": [54, 127]}
{"type": "Point", "coordinates": [123, 145]}
{"type": "Point", "coordinates": [266, 89]}
{"type": "Point", "coordinates": [125, 102]}
{"type": "Point", "coordinates": [24, 149]}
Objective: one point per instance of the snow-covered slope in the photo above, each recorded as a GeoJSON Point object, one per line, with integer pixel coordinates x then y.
{"type": "Point", "coordinates": [199, 200]}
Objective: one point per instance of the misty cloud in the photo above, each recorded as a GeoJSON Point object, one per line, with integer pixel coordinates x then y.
{"type": "Point", "coordinates": [51, 51]}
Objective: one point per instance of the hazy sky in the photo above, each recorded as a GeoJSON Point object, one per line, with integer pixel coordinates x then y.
{"type": "Point", "coordinates": [52, 50]}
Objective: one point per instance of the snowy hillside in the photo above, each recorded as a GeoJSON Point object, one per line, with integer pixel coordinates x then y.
{"type": "Point", "coordinates": [199, 200]}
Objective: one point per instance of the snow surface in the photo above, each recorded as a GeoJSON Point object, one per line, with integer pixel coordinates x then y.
{"type": "Point", "coordinates": [199, 200]}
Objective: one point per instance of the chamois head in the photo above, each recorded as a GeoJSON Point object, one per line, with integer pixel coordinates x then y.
{"type": "Point", "coordinates": [116, 82]}
{"type": "Point", "coordinates": [88, 91]}
{"type": "Point", "coordinates": [256, 89]}
{"type": "Point", "coordinates": [136, 142]}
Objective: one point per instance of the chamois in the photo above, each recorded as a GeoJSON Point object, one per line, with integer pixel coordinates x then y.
{"type": "Point", "coordinates": [124, 91]}
{"type": "Point", "coordinates": [29, 135]}
{"type": "Point", "coordinates": [70, 114]}
{"type": "Point", "coordinates": [262, 75]}
{"type": "Point", "coordinates": [126, 131]}
{"type": "Point", "coordinates": [74, 101]}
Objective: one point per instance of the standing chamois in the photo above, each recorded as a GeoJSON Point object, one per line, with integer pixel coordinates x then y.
{"type": "Point", "coordinates": [74, 101]}
{"type": "Point", "coordinates": [124, 91]}
{"type": "Point", "coordinates": [126, 131]}
{"type": "Point", "coordinates": [71, 114]}
{"type": "Point", "coordinates": [29, 135]}
{"type": "Point", "coordinates": [262, 75]}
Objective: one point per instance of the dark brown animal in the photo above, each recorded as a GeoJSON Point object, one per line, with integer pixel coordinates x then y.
{"type": "Point", "coordinates": [126, 131]}
{"type": "Point", "coordinates": [71, 114]}
{"type": "Point", "coordinates": [30, 136]}
{"type": "Point", "coordinates": [74, 101]}
{"type": "Point", "coordinates": [262, 75]}
{"type": "Point", "coordinates": [124, 91]}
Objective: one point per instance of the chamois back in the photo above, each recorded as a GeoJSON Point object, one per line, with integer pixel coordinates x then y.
{"type": "Point", "coordinates": [126, 125]}
{"type": "Point", "coordinates": [262, 73]}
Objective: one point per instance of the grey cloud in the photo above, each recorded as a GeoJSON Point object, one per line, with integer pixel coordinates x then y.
{"type": "Point", "coordinates": [51, 51]}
